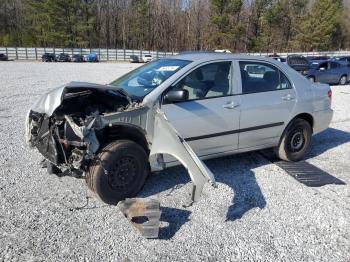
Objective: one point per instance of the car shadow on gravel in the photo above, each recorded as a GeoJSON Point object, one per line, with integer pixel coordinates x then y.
{"type": "Point", "coordinates": [174, 218]}
{"type": "Point", "coordinates": [234, 171]}
{"type": "Point", "coordinates": [326, 140]}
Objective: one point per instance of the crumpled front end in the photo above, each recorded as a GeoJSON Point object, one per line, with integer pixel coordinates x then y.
{"type": "Point", "coordinates": [70, 124]}
{"type": "Point", "coordinates": [65, 123]}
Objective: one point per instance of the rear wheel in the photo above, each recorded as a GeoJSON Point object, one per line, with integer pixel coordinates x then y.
{"type": "Point", "coordinates": [343, 80]}
{"type": "Point", "coordinates": [295, 140]}
{"type": "Point", "coordinates": [119, 172]}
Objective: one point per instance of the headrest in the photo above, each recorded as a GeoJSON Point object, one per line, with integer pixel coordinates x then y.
{"type": "Point", "coordinates": [196, 75]}
{"type": "Point", "coordinates": [271, 76]}
{"type": "Point", "coordinates": [244, 75]}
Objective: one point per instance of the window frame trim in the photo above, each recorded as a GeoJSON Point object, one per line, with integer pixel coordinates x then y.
{"type": "Point", "coordinates": [268, 63]}
{"type": "Point", "coordinates": [231, 89]}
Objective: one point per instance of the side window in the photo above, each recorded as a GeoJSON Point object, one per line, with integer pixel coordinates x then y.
{"type": "Point", "coordinates": [211, 80]}
{"type": "Point", "coordinates": [323, 66]}
{"type": "Point", "coordinates": [260, 77]}
{"type": "Point", "coordinates": [334, 65]}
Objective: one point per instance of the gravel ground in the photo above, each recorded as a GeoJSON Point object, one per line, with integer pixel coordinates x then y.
{"type": "Point", "coordinates": [257, 213]}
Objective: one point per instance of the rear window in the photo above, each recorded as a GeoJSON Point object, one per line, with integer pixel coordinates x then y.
{"type": "Point", "coordinates": [261, 77]}
{"type": "Point", "coordinates": [297, 60]}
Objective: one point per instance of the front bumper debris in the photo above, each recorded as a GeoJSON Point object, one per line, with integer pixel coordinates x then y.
{"type": "Point", "coordinates": [143, 214]}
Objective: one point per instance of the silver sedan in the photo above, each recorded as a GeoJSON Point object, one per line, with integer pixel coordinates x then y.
{"type": "Point", "coordinates": [174, 110]}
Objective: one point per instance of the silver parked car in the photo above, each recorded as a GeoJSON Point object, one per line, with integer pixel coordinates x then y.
{"type": "Point", "coordinates": [179, 109]}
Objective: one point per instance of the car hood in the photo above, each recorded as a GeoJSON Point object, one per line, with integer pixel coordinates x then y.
{"type": "Point", "coordinates": [50, 101]}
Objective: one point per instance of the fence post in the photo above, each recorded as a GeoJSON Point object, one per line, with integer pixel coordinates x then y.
{"type": "Point", "coordinates": [116, 54]}
{"type": "Point", "coordinates": [157, 55]}
{"type": "Point", "coordinates": [7, 52]}
{"type": "Point", "coordinates": [99, 54]}
{"type": "Point", "coordinates": [72, 51]}
{"type": "Point", "coordinates": [26, 53]}
{"type": "Point", "coordinates": [36, 54]}
{"type": "Point", "coordinates": [107, 54]}
{"type": "Point", "coordinates": [124, 54]}
{"type": "Point", "coordinates": [16, 53]}
{"type": "Point", "coordinates": [54, 51]}
{"type": "Point", "coordinates": [141, 52]}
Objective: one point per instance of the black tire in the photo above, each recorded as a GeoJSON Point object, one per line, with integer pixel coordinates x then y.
{"type": "Point", "coordinates": [119, 172]}
{"type": "Point", "coordinates": [312, 78]}
{"type": "Point", "coordinates": [343, 80]}
{"type": "Point", "coordinates": [295, 141]}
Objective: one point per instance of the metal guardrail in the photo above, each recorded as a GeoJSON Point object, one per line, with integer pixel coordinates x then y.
{"type": "Point", "coordinates": [35, 53]}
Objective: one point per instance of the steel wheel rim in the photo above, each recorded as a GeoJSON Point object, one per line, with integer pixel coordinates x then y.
{"type": "Point", "coordinates": [123, 173]}
{"type": "Point", "coordinates": [297, 140]}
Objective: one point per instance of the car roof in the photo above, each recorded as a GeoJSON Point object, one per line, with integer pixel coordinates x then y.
{"type": "Point", "coordinates": [199, 56]}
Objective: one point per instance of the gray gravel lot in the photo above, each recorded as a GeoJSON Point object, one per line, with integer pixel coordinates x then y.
{"type": "Point", "coordinates": [257, 213]}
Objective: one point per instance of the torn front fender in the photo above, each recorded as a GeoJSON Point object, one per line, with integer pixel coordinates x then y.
{"type": "Point", "coordinates": [166, 140]}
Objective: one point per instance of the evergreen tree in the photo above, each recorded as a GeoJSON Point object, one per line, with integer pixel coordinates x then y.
{"type": "Point", "coordinates": [318, 28]}
{"type": "Point", "coordinates": [225, 20]}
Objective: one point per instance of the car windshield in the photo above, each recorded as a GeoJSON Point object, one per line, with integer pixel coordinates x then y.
{"type": "Point", "coordinates": [141, 81]}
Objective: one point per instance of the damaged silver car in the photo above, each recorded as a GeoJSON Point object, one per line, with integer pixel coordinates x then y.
{"type": "Point", "coordinates": [175, 110]}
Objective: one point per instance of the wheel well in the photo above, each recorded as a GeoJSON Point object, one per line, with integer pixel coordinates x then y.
{"type": "Point", "coordinates": [307, 117]}
{"type": "Point", "coordinates": [126, 132]}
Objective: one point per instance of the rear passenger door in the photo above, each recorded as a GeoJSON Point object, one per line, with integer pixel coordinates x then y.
{"type": "Point", "coordinates": [267, 102]}
{"type": "Point", "coordinates": [209, 118]}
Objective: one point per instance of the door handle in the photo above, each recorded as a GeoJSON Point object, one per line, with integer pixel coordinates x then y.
{"type": "Point", "coordinates": [288, 97]}
{"type": "Point", "coordinates": [230, 105]}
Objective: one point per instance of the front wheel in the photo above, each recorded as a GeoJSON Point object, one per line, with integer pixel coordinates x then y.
{"type": "Point", "coordinates": [295, 141]}
{"type": "Point", "coordinates": [119, 172]}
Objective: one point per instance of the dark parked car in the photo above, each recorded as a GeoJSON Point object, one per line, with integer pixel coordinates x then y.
{"type": "Point", "coordinates": [329, 72]}
{"type": "Point", "coordinates": [299, 63]}
{"type": "Point", "coordinates": [3, 57]}
{"type": "Point", "coordinates": [317, 58]}
{"type": "Point", "coordinates": [344, 59]}
{"type": "Point", "coordinates": [134, 59]}
{"type": "Point", "coordinates": [92, 57]}
{"type": "Point", "coordinates": [48, 57]}
{"type": "Point", "coordinates": [63, 58]}
{"type": "Point", "coordinates": [78, 58]}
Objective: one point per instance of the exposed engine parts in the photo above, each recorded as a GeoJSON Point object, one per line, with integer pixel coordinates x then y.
{"type": "Point", "coordinates": [98, 131]}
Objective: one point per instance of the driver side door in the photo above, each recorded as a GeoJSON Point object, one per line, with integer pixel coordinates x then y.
{"type": "Point", "coordinates": [208, 118]}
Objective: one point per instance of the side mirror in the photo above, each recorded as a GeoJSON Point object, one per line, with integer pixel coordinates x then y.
{"type": "Point", "coordinates": [176, 96]}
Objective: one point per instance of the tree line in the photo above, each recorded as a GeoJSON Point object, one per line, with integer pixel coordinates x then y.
{"type": "Point", "coordinates": [175, 25]}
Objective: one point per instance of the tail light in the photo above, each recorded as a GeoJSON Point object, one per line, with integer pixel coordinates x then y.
{"type": "Point", "coordinates": [330, 96]}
